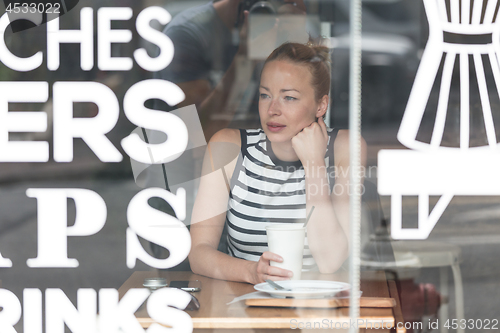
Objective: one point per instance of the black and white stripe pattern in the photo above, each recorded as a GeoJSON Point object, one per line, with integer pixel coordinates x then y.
{"type": "Point", "coordinates": [266, 191]}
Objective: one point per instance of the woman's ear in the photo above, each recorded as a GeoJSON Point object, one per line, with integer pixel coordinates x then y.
{"type": "Point", "coordinates": [322, 106]}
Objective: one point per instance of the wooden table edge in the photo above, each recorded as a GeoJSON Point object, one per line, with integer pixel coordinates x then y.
{"type": "Point", "coordinates": [332, 303]}
{"type": "Point", "coordinates": [372, 321]}
{"type": "Point", "coordinates": [267, 323]}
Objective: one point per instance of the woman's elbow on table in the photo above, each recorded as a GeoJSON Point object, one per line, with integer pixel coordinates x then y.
{"type": "Point", "coordinates": [334, 263]}
{"type": "Point", "coordinates": [194, 260]}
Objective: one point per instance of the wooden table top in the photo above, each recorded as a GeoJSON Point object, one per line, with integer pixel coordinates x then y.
{"type": "Point", "coordinates": [215, 294]}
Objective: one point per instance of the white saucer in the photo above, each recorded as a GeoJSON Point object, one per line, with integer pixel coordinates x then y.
{"type": "Point", "coordinates": [304, 288]}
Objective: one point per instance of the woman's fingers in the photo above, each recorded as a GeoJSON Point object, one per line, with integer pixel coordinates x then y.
{"type": "Point", "coordinates": [265, 268]}
{"type": "Point", "coordinates": [276, 271]}
{"type": "Point", "coordinates": [273, 273]}
{"type": "Point", "coordinates": [271, 256]}
{"type": "Point", "coordinates": [275, 278]}
{"type": "Point", "coordinates": [265, 262]}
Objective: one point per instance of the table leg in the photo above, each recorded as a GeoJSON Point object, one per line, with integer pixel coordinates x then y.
{"type": "Point", "coordinates": [443, 289]}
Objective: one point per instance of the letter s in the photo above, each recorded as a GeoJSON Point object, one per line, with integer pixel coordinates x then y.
{"type": "Point", "coordinates": [168, 123]}
{"type": "Point", "coordinates": [160, 310]}
{"type": "Point", "coordinates": [157, 227]}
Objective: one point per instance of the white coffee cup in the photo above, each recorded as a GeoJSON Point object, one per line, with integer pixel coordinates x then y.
{"type": "Point", "coordinates": [287, 241]}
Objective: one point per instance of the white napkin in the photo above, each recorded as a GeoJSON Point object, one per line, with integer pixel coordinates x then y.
{"type": "Point", "coordinates": [256, 294]}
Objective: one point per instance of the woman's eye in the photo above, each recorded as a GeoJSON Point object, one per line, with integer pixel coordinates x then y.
{"type": "Point", "coordinates": [262, 96]}
{"type": "Point", "coordinates": [290, 98]}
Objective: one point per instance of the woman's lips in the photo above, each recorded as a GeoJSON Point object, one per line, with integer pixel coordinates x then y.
{"type": "Point", "coordinates": [274, 127]}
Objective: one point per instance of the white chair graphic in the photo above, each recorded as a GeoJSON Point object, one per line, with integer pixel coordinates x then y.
{"type": "Point", "coordinates": [430, 168]}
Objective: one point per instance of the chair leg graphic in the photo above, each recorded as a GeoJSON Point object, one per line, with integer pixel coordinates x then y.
{"type": "Point", "coordinates": [459, 295]}
{"type": "Point", "coordinates": [426, 221]}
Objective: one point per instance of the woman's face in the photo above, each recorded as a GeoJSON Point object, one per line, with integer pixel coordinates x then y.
{"type": "Point", "coordinates": [287, 102]}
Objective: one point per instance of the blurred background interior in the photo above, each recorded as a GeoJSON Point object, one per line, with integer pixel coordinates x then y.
{"type": "Point", "coordinates": [454, 273]}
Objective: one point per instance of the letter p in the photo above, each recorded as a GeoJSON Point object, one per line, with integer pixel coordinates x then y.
{"type": "Point", "coordinates": [53, 230]}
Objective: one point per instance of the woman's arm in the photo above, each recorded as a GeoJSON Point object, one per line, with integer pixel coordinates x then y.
{"type": "Point", "coordinates": [328, 228]}
{"type": "Point", "coordinates": [208, 220]}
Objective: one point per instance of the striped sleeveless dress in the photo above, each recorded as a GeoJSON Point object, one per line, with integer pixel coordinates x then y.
{"type": "Point", "coordinates": [266, 191]}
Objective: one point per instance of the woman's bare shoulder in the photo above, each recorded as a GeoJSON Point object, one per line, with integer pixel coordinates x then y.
{"type": "Point", "coordinates": [224, 148]}
{"type": "Point", "coordinates": [341, 143]}
{"type": "Point", "coordinates": [229, 135]}
{"type": "Point", "coordinates": [341, 147]}
{"type": "Point", "coordinates": [342, 137]}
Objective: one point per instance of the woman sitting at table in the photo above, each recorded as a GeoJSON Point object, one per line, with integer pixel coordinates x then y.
{"type": "Point", "coordinates": [284, 169]}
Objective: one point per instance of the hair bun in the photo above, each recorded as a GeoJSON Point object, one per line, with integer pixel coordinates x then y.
{"type": "Point", "coordinates": [318, 45]}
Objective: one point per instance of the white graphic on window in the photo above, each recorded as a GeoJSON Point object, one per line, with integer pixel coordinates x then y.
{"type": "Point", "coordinates": [460, 63]}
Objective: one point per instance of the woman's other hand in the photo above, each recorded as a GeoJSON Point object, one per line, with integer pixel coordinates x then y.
{"type": "Point", "coordinates": [310, 143]}
{"type": "Point", "coordinates": [262, 269]}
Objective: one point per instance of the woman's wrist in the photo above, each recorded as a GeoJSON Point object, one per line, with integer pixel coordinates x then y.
{"type": "Point", "coordinates": [250, 270]}
{"type": "Point", "coordinates": [314, 168]}
{"type": "Point", "coordinates": [317, 186]}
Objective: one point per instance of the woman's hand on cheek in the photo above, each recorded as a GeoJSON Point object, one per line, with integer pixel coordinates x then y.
{"type": "Point", "coordinates": [310, 143]}
{"type": "Point", "coordinates": [262, 270]}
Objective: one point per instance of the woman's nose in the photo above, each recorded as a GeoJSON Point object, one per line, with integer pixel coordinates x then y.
{"type": "Point", "coordinates": [274, 108]}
